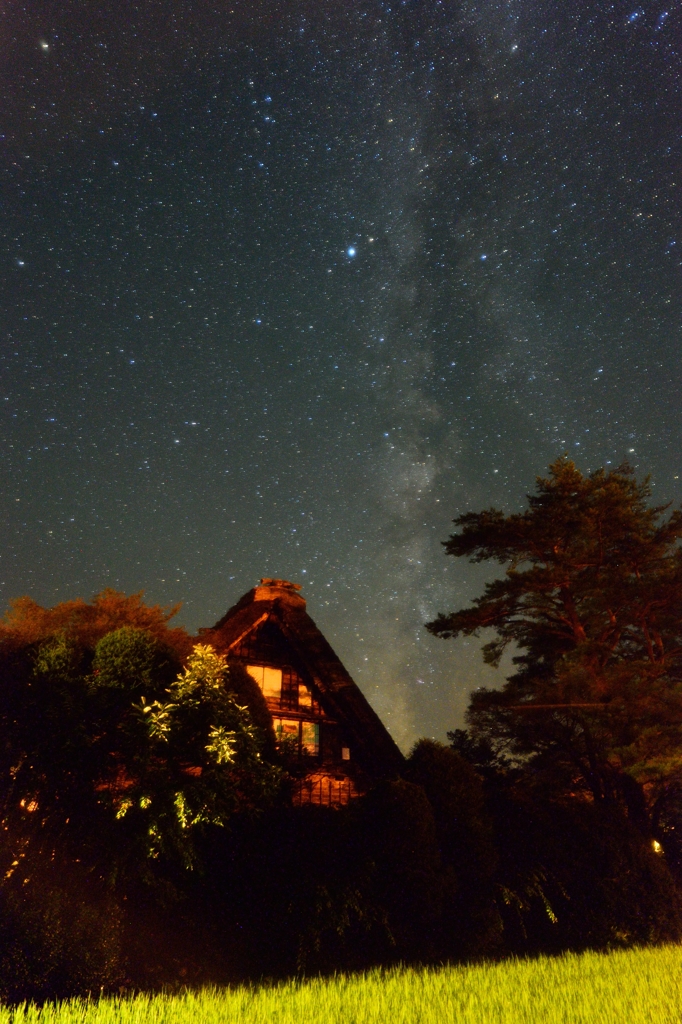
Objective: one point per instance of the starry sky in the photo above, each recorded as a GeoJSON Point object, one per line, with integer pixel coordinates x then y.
{"type": "Point", "coordinates": [288, 284]}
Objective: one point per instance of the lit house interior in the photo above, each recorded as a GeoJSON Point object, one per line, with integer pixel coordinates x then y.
{"type": "Point", "coordinates": [315, 708]}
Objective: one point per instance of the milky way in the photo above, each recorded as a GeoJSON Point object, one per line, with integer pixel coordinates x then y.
{"type": "Point", "coordinates": [287, 286]}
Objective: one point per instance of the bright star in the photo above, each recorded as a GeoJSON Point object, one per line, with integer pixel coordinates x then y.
{"type": "Point", "coordinates": [351, 251]}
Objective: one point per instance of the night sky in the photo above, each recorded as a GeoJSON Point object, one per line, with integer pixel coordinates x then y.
{"type": "Point", "coordinates": [286, 286]}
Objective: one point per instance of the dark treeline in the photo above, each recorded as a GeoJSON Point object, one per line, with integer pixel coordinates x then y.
{"type": "Point", "coordinates": [148, 834]}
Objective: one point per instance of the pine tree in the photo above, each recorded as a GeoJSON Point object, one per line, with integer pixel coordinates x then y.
{"type": "Point", "coordinates": [591, 604]}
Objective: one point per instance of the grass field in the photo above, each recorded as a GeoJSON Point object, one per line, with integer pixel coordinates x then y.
{"type": "Point", "coordinates": [630, 987]}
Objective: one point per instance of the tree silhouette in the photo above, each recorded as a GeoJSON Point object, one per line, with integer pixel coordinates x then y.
{"type": "Point", "coordinates": [591, 603]}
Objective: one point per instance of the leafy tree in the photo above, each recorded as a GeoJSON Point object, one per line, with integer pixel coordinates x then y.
{"type": "Point", "coordinates": [124, 751]}
{"type": "Point", "coordinates": [591, 602]}
{"type": "Point", "coordinates": [466, 842]}
{"type": "Point", "coordinates": [61, 929]}
{"type": "Point", "coordinates": [574, 874]}
{"type": "Point", "coordinates": [118, 755]}
{"type": "Point", "coordinates": [311, 888]}
{"type": "Point", "coordinates": [194, 761]}
{"type": "Point", "coordinates": [129, 659]}
{"type": "Point", "coordinates": [27, 622]}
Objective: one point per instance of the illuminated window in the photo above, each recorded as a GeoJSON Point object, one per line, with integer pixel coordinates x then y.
{"type": "Point", "coordinates": [345, 753]}
{"type": "Point", "coordinates": [269, 679]}
{"type": "Point", "coordinates": [290, 731]}
{"type": "Point", "coordinates": [305, 697]}
{"type": "Point", "coordinates": [310, 737]}
{"type": "Point", "coordinates": [286, 730]}
{"type": "Point", "coordinates": [289, 688]}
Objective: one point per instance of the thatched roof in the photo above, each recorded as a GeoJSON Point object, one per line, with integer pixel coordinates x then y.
{"type": "Point", "coordinates": [279, 604]}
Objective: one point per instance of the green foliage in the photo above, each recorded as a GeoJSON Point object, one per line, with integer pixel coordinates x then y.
{"type": "Point", "coordinates": [45, 748]}
{"type": "Point", "coordinates": [122, 756]}
{"type": "Point", "coordinates": [57, 658]}
{"type": "Point", "coordinates": [299, 892]}
{"type": "Point", "coordinates": [639, 986]}
{"type": "Point", "coordinates": [467, 846]}
{"type": "Point", "coordinates": [195, 763]}
{"type": "Point", "coordinates": [117, 765]}
{"type": "Point", "coordinates": [315, 889]}
{"type": "Point", "coordinates": [398, 838]}
{"type": "Point", "coordinates": [574, 874]}
{"type": "Point", "coordinates": [127, 659]}
{"type": "Point", "coordinates": [60, 930]}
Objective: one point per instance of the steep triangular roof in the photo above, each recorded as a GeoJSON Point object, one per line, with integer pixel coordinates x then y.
{"type": "Point", "coordinates": [279, 604]}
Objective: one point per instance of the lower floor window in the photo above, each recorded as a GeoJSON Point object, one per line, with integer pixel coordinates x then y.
{"type": "Point", "coordinates": [305, 735]}
{"type": "Point", "coordinates": [310, 737]}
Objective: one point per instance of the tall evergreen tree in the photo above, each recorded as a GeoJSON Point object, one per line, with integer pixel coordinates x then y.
{"type": "Point", "coordinates": [591, 604]}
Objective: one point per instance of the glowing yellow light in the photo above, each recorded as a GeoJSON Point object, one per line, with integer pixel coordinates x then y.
{"type": "Point", "coordinates": [657, 846]}
{"type": "Point", "coordinates": [269, 679]}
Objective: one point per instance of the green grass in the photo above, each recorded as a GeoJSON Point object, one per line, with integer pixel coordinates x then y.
{"type": "Point", "coordinates": [630, 987]}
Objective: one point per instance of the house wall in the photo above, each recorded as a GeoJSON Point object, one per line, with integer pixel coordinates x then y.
{"type": "Point", "coordinates": [299, 718]}
{"type": "Point", "coordinates": [342, 746]}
